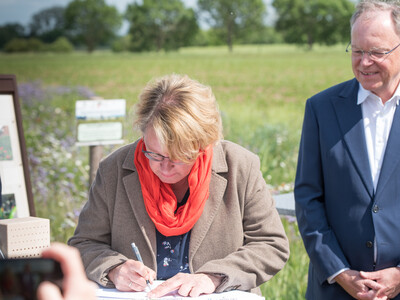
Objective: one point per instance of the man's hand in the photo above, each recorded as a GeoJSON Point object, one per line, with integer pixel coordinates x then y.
{"type": "Point", "coordinates": [389, 278]}
{"type": "Point", "coordinates": [358, 287]}
{"type": "Point", "coordinates": [188, 285]}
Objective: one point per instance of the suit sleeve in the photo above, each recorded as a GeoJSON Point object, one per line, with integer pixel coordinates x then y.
{"type": "Point", "coordinates": [326, 255]}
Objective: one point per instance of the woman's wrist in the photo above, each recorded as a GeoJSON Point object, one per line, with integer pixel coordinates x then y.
{"type": "Point", "coordinates": [216, 279]}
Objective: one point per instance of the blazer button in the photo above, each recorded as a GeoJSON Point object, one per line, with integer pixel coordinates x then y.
{"type": "Point", "coordinates": [375, 209]}
{"type": "Point", "coordinates": [369, 244]}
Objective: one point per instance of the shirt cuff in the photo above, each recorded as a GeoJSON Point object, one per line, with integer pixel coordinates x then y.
{"type": "Point", "coordinates": [331, 279]}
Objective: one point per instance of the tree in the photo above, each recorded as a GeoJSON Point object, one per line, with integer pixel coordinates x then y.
{"type": "Point", "coordinates": [9, 32]}
{"type": "Point", "coordinates": [314, 21]}
{"type": "Point", "coordinates": [61, 45]}
{"type": "Point", "coordinates": [24, 45]}
{"type": "Point", "coordinates": [233, 18]}
{"type": "Point", "coordinates": [48, 25]}
{"type": "Point", "coordinates": [156, 25]}
{"type": "Point", "coordinates": [91, 22]}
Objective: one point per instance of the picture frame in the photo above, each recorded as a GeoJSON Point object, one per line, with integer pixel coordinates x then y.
{"type": "Point", "coordinates": [17, 198]}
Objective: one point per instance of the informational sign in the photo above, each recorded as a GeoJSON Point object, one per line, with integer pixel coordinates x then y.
{"type": "Point", "coordinates": [100, 122]}
{"type": "Point", "coordinates": [17, 199]}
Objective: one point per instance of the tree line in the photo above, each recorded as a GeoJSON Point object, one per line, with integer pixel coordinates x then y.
{"type": "Point", "coordinates": [168, 25]}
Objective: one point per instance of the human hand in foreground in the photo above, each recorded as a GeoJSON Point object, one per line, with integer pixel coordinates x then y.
{"type": "Point", "coordinates": [131, 276]}
{"type": "Point", "coordinates": [358, 287]}
{"type": "Point", "coordinates": [187, 285]}
{"type": "Point", "coordinates": [390, 280]}
{"type": "Point", "coordinates": [75, 284]}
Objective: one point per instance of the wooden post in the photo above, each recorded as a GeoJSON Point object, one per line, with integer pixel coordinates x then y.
{"type": "Point", "coordinates": [95, 156]}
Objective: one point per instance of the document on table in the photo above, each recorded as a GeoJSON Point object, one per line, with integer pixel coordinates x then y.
{"type": "Point", "coordinates": [110, 294]}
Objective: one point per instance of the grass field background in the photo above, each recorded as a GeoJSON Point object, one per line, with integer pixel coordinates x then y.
{"type": "Point", "coordinates": [261, 91]}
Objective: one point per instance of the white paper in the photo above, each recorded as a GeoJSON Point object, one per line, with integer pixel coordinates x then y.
{"type": "Point", "coordinates": [109, 294]}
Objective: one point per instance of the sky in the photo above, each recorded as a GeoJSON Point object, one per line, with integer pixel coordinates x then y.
{"type": "Point", "coordinates": [21, 11]}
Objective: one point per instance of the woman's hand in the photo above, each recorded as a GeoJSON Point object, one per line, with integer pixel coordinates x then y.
{"type": "Point", "coordinates": [131, 276]}
{"type": "Point", "coordinates": [191, 285]}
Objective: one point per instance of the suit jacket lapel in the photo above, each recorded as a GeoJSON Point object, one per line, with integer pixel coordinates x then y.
{"type": "Point", "coordinates": [350, 121]}
{"type": "Point", "coordinates": [392, 157]}
{"type": "Point", "coordinates": [217, 189]}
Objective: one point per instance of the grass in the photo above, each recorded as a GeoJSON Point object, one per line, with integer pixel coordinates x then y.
{"type": "Point", "coordinates": [261, 91]}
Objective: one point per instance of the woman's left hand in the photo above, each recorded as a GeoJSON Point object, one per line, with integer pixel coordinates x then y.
{"type": "Point", "coordinates": [187, 285]}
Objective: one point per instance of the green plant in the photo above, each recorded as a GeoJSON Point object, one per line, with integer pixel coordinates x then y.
{"type": "Point", "coordinates": [61, 45]}
{"type": "Point", "coordinates": [59, 170]}
{"type": "Point", "coordinates": [16, 45]}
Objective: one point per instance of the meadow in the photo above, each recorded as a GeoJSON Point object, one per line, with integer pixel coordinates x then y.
{"type": "Point", "coordinates": [261, 91]}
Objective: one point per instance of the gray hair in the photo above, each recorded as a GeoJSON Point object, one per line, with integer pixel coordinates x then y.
{"type": "Point", "coordinates": [375, 5]}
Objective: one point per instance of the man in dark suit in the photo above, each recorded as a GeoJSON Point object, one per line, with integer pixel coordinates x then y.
{"type": "Point", "coordinates": [347, 186]}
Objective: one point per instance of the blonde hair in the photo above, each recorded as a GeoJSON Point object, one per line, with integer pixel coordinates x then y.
{"type": "Point", "coordinates": [183, 113]}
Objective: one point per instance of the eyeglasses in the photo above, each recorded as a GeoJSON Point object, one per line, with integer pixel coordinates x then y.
{"type": "Point", "coordinates": [158, 157]}
{"type": "Point", "coordinates": [373, 55]}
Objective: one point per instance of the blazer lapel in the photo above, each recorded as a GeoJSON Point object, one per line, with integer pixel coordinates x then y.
{"type": "Point", "coordinates": [134, 193]}
{"type": "Point", "coordinates": [392, 157]}
{"type": "Point", "coordinates": [217, 189]}
{"type": "Point", "coordinates": [350, 121]}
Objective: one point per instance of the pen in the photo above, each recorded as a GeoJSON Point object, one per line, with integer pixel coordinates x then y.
{"type": "Point", "coordinates": [139, 258]}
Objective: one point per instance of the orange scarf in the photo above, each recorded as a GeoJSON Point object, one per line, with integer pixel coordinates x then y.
{"type": "Point", "coordinates": [160, 201]}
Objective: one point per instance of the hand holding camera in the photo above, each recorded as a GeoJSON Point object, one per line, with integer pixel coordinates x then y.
{"type": "Point", "coordinates": [57, 275]}
{"type": "Point", "coordinates": [75, 284]}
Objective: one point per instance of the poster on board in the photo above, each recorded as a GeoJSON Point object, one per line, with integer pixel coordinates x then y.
{"type": "Point", "coordinates": [17, 199]}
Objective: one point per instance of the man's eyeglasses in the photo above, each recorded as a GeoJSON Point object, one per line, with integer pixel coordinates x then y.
{"type": "Point", "coordinates": [374, 55]}
{"type": "Point", "coordinates": [158, 157]}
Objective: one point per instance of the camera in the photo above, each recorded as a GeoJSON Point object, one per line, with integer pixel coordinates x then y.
{"type": "Point", "coordinates": [20, 277]}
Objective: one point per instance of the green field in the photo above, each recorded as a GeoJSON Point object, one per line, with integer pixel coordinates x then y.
{"type": "Point", "coordinates": [261, 91]}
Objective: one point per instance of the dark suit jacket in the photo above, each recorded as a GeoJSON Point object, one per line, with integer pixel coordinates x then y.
{"type": "Point", "coordinates": [338, 212]}
{"type": "Point", "coordinates": [239, 233]}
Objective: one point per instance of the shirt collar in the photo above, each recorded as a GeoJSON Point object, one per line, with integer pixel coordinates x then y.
{"type": "Point", "coordinates": [363, 94]}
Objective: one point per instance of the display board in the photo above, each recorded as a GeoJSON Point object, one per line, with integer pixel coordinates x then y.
{"type": "Point", "coordinates": [100, 122]}
{"type": "Point", "coordinates": [17, 199]}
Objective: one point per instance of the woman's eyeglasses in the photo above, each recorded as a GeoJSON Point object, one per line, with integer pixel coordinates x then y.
{"type": "Point", "coordinates": [158, 157]}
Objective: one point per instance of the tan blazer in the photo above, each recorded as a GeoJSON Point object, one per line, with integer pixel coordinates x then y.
{"type": "Point", "coordinates": [239, 234]}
